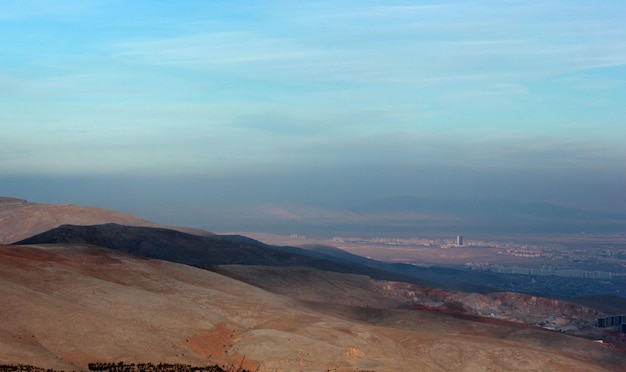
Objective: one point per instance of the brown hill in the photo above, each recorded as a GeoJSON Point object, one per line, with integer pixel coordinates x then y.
{"type": "Point", "coordinates": [314, 286]}
{"type": "Point", "coordinates": [66, 305]}
{"type": "Point", "coordinates": [20, 219]}
{"type": "Point", "coordinates": [205, 251]}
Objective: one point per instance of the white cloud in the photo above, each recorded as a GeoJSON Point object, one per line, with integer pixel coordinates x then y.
{"type": "Point", "coordinates": [308, 85]}
{"type": "Point", "coordinates": [210, 49]}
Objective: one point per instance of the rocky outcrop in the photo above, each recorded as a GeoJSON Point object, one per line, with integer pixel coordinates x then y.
{"type": "Point", "coordinates": [515, 307]}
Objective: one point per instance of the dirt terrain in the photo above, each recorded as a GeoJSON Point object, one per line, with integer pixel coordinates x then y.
{"type": "Point", "coordinates": [64, 306]}
{"type": "Point", "coordinates": [20, 219]}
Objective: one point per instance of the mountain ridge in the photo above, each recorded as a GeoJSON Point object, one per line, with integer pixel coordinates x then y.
{"type": "Point", "coordinates": [201, 251]}
{"type": "Point", "coordinates": [209, 251]}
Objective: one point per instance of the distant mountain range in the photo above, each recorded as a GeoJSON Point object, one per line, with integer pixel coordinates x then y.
{"type": "Point", "coordinates": [487, 215]}
{"type": "Point", "coordinates": [414, 214]}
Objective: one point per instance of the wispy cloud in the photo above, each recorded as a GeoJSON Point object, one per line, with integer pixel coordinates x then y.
{"type": "Point", "coordinates": [210, 49]}
{"type": "Point", "coordinates": [354, 89]}
{"type": "Point", "coordinates": [462, 41]}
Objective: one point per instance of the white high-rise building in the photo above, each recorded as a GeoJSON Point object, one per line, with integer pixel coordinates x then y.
{"type": "Point", "coordinates": [459, 240]}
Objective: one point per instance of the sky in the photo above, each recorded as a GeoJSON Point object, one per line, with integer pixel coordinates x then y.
{"type": "Point", "coordinates": [196, 112]}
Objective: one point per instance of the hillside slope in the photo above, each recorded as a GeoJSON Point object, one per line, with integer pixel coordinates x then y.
{"type": "Point", "coordinates": [204, 251]}
{"type": "Point", "coordinates": [66, 305]}
{"type": "Point", "coordinates": [20, 219]}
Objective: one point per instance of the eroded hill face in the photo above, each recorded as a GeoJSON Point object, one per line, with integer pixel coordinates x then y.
{"type": "Point", "coordinates": [20, 219]}
{"type": "Point", "coordinates": [350, 291]}
{"type": "Point", "coordinates": [66, 305]}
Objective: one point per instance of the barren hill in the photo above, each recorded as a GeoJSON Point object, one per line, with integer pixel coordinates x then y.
{"type": "Point", "coordinates": [66, 305]}
{"type": "Point", "coordinates": [20, 219]}
{"type": "Point", "coordinates": [204, 251]}
{"type": "Point", "coordinates": [214, 250]}
{"type": "Point", "coordinates": [324, 288]}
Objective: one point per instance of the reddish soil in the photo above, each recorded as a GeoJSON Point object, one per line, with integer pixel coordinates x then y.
{"type": "Point", "coordinates": [64, 306]}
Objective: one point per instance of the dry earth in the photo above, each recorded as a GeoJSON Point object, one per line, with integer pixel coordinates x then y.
{"type": "Point", "coordinates": [21, 219]}
{"type": "Point", "coordinates": [64, 306]}
{"type": "Point", "coordinates": [311, 285]}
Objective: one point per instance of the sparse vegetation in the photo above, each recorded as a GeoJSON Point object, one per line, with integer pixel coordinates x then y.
{"type": "Point", "coordinates": [149, 367]}
{"type": "Point", "coordinates": [133, 367]}
{"type": "Point", "coordinates": [23, 368]}
{"type": "Point", "coordinates": [161, 367]}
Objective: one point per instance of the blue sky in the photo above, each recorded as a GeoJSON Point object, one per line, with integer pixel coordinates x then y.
{"type": "Point", "coordinates": [517, 99]}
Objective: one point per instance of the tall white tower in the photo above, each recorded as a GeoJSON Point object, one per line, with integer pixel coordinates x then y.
{"type": "Point", "coordinates": [459, 240]}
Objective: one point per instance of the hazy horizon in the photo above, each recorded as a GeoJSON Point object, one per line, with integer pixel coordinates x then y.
{"type": "Point", "coordinates": [252, 114]}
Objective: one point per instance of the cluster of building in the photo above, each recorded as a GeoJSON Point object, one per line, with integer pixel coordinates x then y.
{"type": "Point", "coordinates": [569, 273]}
{"type": "Point", "coordinates": [523, 253]}
{"type": "Point", "coordinates": [415, 242]}
{"type": "Point", "coordinates": [458, 242]}
{"type": "Point", "coordinates": [612, 321]}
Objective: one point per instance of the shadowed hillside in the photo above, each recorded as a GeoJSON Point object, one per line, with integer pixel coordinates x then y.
{"type": "Point", "coordinates": [209, 251]}
{"type": "Point", "coordinates": [204, 252]}
{"type": "Point", "coordinates": [214, 250]}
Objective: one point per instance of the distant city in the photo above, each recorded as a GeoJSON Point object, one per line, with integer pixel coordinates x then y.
{"type": "Point", "coordinates": [595, 260]}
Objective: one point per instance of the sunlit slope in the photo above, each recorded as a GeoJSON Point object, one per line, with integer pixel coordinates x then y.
{"type": "Point", "coordinates": [66, 305]}
{"type": "Point", "coordinates": [20, 219]}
